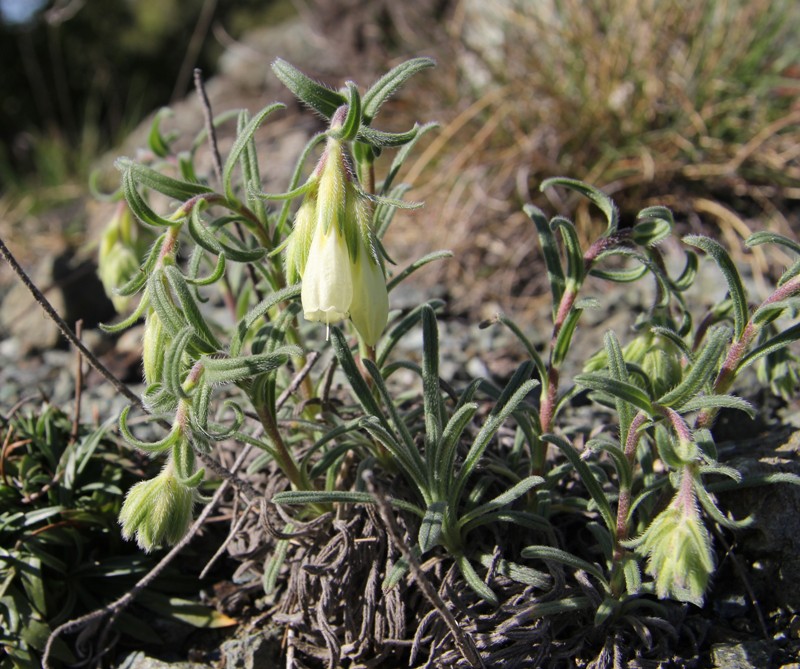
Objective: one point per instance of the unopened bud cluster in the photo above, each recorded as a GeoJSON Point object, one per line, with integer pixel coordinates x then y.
{"type": "Point", "coordinates": [678, 548]}
{"type": "Point", "coordinates": [119, 254]}
{"type": "Point", "coordinates": [157, 511]}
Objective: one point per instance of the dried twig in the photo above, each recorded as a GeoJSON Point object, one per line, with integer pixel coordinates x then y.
{"type": "Point", "coordinates": [76, 414]}
{"type": "Point", "coordinates": [209, 121]}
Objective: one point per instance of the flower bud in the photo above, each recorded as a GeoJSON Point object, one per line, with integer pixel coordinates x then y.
{"type": "Point", "coordinates": [662, 364]}
{"type": "Point", "coordinates": [154, 345]}
{"type": "Point", "coordinates": [118, 258]}
{"type": "Point", "coordinates": [370, 307]}
{"type": "Point", "coordinates": [678, 550]}
{"type": "Point", "coordinates": [780, 370]}
{"type": "Point", "coordinates": [157, 511]}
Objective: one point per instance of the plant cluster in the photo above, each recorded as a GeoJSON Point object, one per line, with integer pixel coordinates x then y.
{"type": "Point", "coordinates": [467, 460]}
{"type": "Point", "coordinates": [61, 551]}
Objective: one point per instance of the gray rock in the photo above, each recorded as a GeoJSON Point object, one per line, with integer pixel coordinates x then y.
{"type": "Point", "coordinates": [138, 660]}
{"type": "Point", "coordinates": [71, 287]}
{"type": "Point", "coordinates": [743, 655]}
{"type": "Point", "coordinates": [257, 651]}
{"type": "Point", "coordinates": [773, 542]}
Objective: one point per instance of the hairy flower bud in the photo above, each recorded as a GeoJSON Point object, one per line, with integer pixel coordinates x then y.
{"type": "Point", "coordinates": [157, 511]}
{"type": "Point", "coordinates": [370, 307]}
{"type": "Point", "coordinates": [154, 345]}
{"type": "Point", "coordinates": [118, 256]}
{"type": "Point", "coordinates": [678, 550]}
{"type": "Point", "coordinates": [659, 359]}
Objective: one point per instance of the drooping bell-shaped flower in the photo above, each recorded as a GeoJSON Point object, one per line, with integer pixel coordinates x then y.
{"type": "Point", "coordinates": [333, 250]}
{"type": "Point", "coordinates": [327, 290]}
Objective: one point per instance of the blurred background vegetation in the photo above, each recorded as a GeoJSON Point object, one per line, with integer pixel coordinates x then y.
{"type": "Point", "coordinates": [78, 76]}
{"type": "Point", "coordinates": [689, 104]}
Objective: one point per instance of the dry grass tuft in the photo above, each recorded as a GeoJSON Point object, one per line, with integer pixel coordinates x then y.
{"type": "Point", "coordinates": [693, 105]}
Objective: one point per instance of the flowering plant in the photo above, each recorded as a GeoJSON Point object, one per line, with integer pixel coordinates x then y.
{"type": "Point", "coordinates": [459, 462]}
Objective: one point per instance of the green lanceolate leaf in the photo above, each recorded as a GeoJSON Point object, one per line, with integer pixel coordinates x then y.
{"type": "Point", "coordinates": [602, 200]}
{"type": "Point", "coordinates": [770, 311]}
{"type": "Point", "coordinates": [200, 233]}
{"type": "Point", "coordinates": [189, 306]}
{"type": "Point", "coordinates": [174, 366]}
{"type": "Point", "coordinates": [572, 247]}
{"type": "Point", "coordinates": [384, 209]}
{"type": "Point", "coordinates": [629, 275]}
{"type": "Point", "coordinates": [512, 396]}
{"type": "Point", "coordinates": [764, 237]}
{"type": "Point", "coordinates": [316, 96]}
{"type": "Point", "coordinates": [773, 344]}
{"type": "Point", "coordinates": [150, 447]}
{"type": "Point", "coordinates": [402, 155]}
{"type": "Point", "coordinates": [430, 529]}
{"type": "Point", "coordinates": [303, 497]}
{"type": "Point", "coordinates": [587, 478]}
{"type": "Point", "coordinates": [719, 402]}
{"type": "Point", "coordinates": [138, 280]}
{"type": "Point", "coordinates": [257, 313]}
{"type": "Point", "coordinates": [138, 206]}
{"type": "Point", "coordinates": [653, 224]}
{"type": "Point", "coordinates": [157, 142]}
{"type": "Point", "coordinates": [231, 370]}
{"type": "Point", "coordinates": [357, 383]}
{"type": "Point", "coordinates": [541, 368]}
{"type": "Point", "coordinates": [352, 122]}
{"type": "Point", "coordinates": [141, 174]}
{"type": "Point", "coordinates": [405, 461]}
{"type": "Point", "coordinates": [386, 86]}
{"type": "Point", "coordinates": [475, 582]}
{"type": "Point", "coordinates": [448, 446]}
{"type": "Point", "coordinates": [161, 299]}
{"type": "Point", "coordinates": [675, 338]}
{"type": "Point", "coordinates": [502, 500]}
{"type": "Point", "coordinates": [239, 251]}
{"type": "Point", "coordinates": [563, 343]}
{"type": "Point", "coordinates": [619, 371]}
{"type": "Point", "coordinates": [517, 572]}
{"type": "Point", "coordinates": [417, 264]}
{"type": "Point", "coordinates": [432, 396]}
{"type": "Point", "coordinates": [240, 144]}
{"type": "Point", "coordinates": [702, 371]}
{"type": "Point", "coordinates": [216, 274]}
{"type": "Point", "coordinates": [552, 258]}
{"type": "Point", "coordinates": [411, 458]}
{"type": "Point", "coordinates": [731, 274]}
{"type": "Point", "coordinates": [551, 554]}
{"type": "Point", "coordinates": [617, 455]}
{"type": "Point", "coordinates": [404, 326]}
{"type": "Point", "coordinates": [130, 320]}
{"type": "Point", "coordinates": [386, 139]}
{"type": "Point", "coordinates": [687, 276]}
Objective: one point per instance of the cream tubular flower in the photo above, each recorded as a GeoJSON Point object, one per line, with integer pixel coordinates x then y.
{"type": "Point", "coordinates": [327, 290]}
